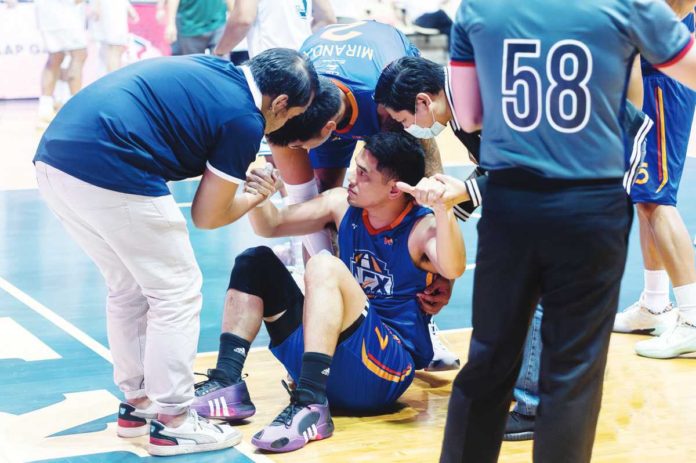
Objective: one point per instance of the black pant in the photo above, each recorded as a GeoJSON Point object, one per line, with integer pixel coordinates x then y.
{"type": "Point", "coordinates": [567, 244]}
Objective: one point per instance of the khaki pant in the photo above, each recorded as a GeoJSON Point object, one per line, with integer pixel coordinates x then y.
{"type": "Point", "coordinates": [142, 248]}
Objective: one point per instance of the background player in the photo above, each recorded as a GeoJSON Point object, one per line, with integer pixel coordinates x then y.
{"type": "Point", "coordinates": [364, 333]}
{"type": "Point", "coordinates": [665, 242]}
{"type": "Point", "coordinates": [273, 23]}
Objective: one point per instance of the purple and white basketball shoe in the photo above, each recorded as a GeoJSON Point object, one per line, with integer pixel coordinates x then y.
{"type": "Point", "coordinates": [217, 398]}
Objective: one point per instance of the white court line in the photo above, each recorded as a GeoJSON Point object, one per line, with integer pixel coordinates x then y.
{"type": "Point", "coordinates": [89, 342]}
{"type": "Point", "coordinates": [57, 320]}
{"type": "Point", "coordinates": [184, 204]}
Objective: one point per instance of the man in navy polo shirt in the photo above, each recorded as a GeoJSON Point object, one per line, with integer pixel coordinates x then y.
{"type": "Point", "coordinates": [102, 168]}
{"type": "Point", "coordinates": [555, 218]}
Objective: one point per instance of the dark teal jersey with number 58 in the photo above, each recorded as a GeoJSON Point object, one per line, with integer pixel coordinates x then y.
{"type": "Point", "coordinates": [553, 77]}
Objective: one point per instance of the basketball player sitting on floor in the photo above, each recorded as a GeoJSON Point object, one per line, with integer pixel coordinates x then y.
{"type": "Point", "coordinates": [356, 337]}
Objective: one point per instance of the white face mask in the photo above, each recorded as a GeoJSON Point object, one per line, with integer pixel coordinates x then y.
{"type": "Point", "coordinates": [424, 132]}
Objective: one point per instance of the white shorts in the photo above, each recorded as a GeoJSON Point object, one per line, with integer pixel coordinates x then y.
{"type": "Point", "coordinates": [112, 26]}
{"type": "Point", "coordinates": [64, 40]}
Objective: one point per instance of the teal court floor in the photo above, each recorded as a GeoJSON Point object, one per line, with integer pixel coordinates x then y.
{"type": "Point", "coordinates": [54, 359]}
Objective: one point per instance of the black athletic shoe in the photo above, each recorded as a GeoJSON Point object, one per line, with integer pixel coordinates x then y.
{"type": "Point", "coordinates": [519, 427]}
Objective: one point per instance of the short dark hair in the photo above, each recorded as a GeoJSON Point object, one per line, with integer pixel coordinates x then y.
{"type": "Point", "coordinates": [399, 156]}
{"type": "Point", "coordinates": [308, 125]}
{"type": "Point", "coordinates": [282, 71]}
{"type": "Point", "coordinates": [405, 78]}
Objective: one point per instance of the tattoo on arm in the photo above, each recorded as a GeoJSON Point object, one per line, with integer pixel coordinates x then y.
{"type": "Point", "coordinates": [433, 163]}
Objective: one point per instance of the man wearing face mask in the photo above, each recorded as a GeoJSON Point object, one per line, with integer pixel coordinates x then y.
{"type": "Point", "coordinates": [103, 166]}
{"type": "Point", "coordinates": [424, 86]}
{"type": "Point", "coordinates": [352, 57]}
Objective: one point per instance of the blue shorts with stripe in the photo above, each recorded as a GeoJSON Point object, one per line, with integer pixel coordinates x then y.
{"type": "Point", "coordinates": [671, 106]}
{"type": "Point", "coordinates": [370, 369]}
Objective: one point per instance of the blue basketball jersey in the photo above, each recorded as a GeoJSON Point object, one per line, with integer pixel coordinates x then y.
{"type": "Point", "coordinates": [554, 92]}
{"type": "Point", "coordinates": [354, 55]}
{"type": "Point", "coordinates": [381, 263]}
{"type": "Point", "coordinates": [648, 68]}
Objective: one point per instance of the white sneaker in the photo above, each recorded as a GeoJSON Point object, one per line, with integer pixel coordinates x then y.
{"type": "Point", "coordinates": [679, 340]}
{"type": "Point", "coordinates": [639, 319]}
{"type": "Point", "coordinates": [443, 358]}
{"type": "Point", "coordinates": [134, 422]}
{"type": "Point", "coordinates": [196, 434]}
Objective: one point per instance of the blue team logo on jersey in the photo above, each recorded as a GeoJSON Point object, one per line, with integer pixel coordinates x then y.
{"type": "Point", "coordinates": [372, 274]}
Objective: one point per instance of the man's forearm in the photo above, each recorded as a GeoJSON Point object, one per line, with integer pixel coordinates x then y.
{"type": "Point", "coordinates": [172, 8]}
{"type": "Point", "coordinates": [233, 35]}
{"type": "Point", "coordinates": [433, 163]}
{"type": "Point", "coordinates": [264, 219]}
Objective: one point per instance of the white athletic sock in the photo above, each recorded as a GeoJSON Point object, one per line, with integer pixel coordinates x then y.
{"type": "Point", "coordinates": [656, 290]}
{"type": "Point", "coordinates": [686, 300]}
{"type": "Point", "coordinates": [316, 242]}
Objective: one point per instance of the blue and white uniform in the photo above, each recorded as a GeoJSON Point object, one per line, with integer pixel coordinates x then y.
{"type": "Point", "coordinates": [354, 55]}
{"type": "Point", "coordinates": [671, 105]}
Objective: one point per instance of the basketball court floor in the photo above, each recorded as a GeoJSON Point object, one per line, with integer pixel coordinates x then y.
{"type": "Point", "coordinates": [58, 402]}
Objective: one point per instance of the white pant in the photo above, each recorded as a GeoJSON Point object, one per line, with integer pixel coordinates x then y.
{"type": "Point", "coordinates": [142, 248]}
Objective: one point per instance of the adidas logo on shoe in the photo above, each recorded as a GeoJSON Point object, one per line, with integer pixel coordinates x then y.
{"type": "Point", "coordinates": [241, 351]}
{"type": "Point", "coordinates": [326, 371]}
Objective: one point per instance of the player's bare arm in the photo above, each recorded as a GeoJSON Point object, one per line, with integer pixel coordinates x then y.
{"type": "Point", "coordinates": [634, 93]}
{"type": "Point", "coordinates": [436, 244]}
{"type": "Point", "coordinates": [298, 219]}
{"type": "Point", "coordinates": [466, 97]}
{"type": "Point", "coordinates": [215, 203]}
{"type": "Point", "coordinates": [242, 16]}
{"type": "Point", "coordinates": [322, 14]}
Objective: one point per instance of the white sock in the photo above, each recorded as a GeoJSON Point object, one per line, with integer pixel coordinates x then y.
{"type": "Point", "coordinates": [316, 242]}
{"type": "Point", "coordinates": [656, 290]}
{"type": "Point", "coordinates": [45, 103]}
{"type": "Point", "coordinates": [686, 300]}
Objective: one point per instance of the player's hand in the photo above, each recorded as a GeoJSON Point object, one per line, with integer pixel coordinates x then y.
{"type": "Point", "coordinates": [435, 296]}
{"type": "Point", "coordinates": [455, 190]}
{"type": "Point", "coordinates": [170, 33]}
{"type": "Point", "coordinates": [428, 191]}
{"type": "Point", "coordinates": [263, 181]}
{"type": "Point", "coordinates": [438, 191]}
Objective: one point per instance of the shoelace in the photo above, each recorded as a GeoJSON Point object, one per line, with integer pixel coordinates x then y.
{"type": "Point", "coordinates": [205, 386]}
{"type": "Point", "coordinates": [285, 417]}
{"type": "Point", "coordinates": [209, 385]}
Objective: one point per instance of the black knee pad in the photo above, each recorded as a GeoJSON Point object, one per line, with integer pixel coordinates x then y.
{"type": "Point", "coordinates": [259, 272]}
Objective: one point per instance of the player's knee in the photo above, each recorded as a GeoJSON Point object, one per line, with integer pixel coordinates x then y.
{"type": "Point", "coordinates": [321, 268]}
{"type": "Point", "coordinates": [55, 60]}
{"type": "Point", "coordinates": [78, 56]}
{"type": "Point", "coordinates": [250, 264]}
